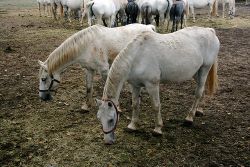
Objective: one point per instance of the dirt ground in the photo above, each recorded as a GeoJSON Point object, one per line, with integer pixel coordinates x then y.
{"type": "Point", "coordinates": [57, 133]}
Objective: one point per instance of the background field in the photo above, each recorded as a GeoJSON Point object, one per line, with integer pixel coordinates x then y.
{"type": "Point", "coordinates": [58, 133]}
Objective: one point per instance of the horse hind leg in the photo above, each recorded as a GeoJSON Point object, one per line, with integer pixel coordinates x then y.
{"type": "Point", "coordinates": [200, 78]}
{"type": "Point", "coordinates": [135, 107]}
{"type": "Point", "coordinates": [153, 91]}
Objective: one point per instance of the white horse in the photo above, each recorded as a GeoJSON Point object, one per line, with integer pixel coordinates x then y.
{"type": "Point", "coordinates": [201, 4]}
{"type": "Point", "coordinates": [151, 59]}
{"type": "Point", "coordinates": [93, 48]}
{"type": "Point", "coordinates": [231, 7]}
{"type": "Point", "coordinates": [46, 7]}
{"type": "Point", "coordinates": [71, 6]}
{"type": "Point", "coordinates": [159, 8]}
{"type": "Point", "coordinates": [105, 11]}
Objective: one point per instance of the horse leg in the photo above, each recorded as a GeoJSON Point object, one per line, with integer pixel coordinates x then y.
{"type": "Point", "coordinates": [192, 11]}
{"type": "Point", "coordinates": [112, 20]}
{"type": "Point", "coordinates": [200, 78]}
{"type": "Point", "coordinates": [185, 20]}
{"type": "Point", "coordinates": [69, 15]}
{"type": "Point", "coordinates": [39, 8]}
{"type": "Point", "coordinates": [135, 107]}
{"type": "Point", "coordinates": [223, 9]}
{"type": "Point", "coordinates": [173, 25]}
{"type": "Point", "coordinates": [54, 8]}
{"type": "Point", "coordinates": [182, 16]}
{"type": "Point", "coordinates": [89, 92]}
{"type": "Point", "coordinates": [44, 10]}
{"type": "Point", "coordinates": [153, 91]}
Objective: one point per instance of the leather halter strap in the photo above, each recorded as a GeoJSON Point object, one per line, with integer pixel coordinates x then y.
{"type": "Point", "coordinates": [51, 84]}
{"type": "Point", "coordinates": [117, 117]}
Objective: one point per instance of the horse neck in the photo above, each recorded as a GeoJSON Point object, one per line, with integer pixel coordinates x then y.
{"type": "Point", "coordinates": [70, 51]}
{"type": "Point", "coordinates": [118, 74]}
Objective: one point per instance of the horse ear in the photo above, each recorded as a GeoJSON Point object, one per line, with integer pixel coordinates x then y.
{"type": "Point", "coordinates": [98, 102]}
{"type": "Point", "coordinates": [42, 65]}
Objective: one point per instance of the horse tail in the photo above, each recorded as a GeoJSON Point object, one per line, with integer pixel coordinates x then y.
{"type": "Point", "coordinates": [168, 10]}
{"type": "Point", "coordinates": [212, 80]}
{"type": "Point", "coordinates": [214, 8]}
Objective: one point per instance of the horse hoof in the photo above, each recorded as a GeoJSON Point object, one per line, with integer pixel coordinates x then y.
{"type": "Point", "coordinates": [199, 113]}
{"type": "Point", "coordinates": [85, 107]}
{"type": "Point", "coordinates": [187, 123]}
{"type": "Point", "coordinates": [131, 127]}
{"type": "Point", "coordinates": [157, 132]}
{"type": "Point", "coordinates": [129, 130]}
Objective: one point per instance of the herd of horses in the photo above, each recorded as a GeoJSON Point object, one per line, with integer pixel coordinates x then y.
{"type": "Point", "coordinates": [112, 12]}
{"type": "Point", "coordinates": [135, 53]}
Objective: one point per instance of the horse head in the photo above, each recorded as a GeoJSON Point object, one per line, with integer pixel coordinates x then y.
{"type": "Point", "coordinates": [108, 116]}
{"type": "Point", "coordinates": [48, 83]}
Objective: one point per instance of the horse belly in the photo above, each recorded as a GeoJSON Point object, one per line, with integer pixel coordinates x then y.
{"type": "Point", "coordinates": [74, 4]}
{"type": "Point", "coordinates": [180, 69]}
{"type": "Point", "coordinates": [200, 3]}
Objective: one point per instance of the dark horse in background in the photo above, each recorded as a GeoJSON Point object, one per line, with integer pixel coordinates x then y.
{"type": "Point", "coordinates": [177, 14]}
{"type": "Point", "coordinates": [132, 11]}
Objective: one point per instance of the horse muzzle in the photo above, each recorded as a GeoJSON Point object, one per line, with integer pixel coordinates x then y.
{"type": "Point", "coordinates": [45, 96]}
{"type": "Point", "coordinates": [109, 139]}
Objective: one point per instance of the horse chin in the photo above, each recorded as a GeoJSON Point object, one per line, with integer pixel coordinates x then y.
{"type": "Point", "coordinates": [109, 139]}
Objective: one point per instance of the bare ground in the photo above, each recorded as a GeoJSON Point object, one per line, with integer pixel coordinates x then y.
{"type": "Point", "coordinates": [57, 133]}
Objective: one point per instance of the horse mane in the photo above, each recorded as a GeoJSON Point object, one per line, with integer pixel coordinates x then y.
{"type": "Point", "coordinates": [71, 47]}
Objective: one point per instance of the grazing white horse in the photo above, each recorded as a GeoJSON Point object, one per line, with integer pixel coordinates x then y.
{"type": "Point", "coordinates": [201, 4]}
{"type": "Point", "coordinates": [151, 59]}
{"type": "Point", "coordinates": [46, 7]}
{"type": "Point", "coordinates": [231, 7]}
{"type": "Point", "coordinates": [105, 11]}
{"type": "Point", "coordinates": [93, 48]}
{"type": "Point", "coordinates": [159, 8]}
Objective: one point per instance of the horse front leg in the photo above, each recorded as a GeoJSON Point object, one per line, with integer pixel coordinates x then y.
{"type": "Point", "coordinates": [135, 107]}
{"type": "Point", "coordinates": [89, 93]}
{"type": "Point", "coordinates": [153, 90]}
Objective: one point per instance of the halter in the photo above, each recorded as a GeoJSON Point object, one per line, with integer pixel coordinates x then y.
{"type": "Point", "coordinates": [51, 84]}
{"type": "Point", "coordinates": [117, 116]}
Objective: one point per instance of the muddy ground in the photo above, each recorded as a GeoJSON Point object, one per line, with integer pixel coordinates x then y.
{"type": "Point", "coordinates": [58, 133]}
